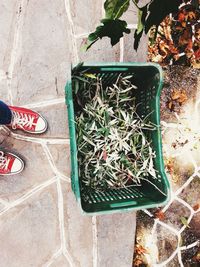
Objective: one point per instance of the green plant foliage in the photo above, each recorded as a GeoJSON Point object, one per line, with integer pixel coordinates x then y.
{"type": "Point", "coordinates": [158, 10]}
{"type": "Point", "coordinates": [115, 8]}
{"type": "Point", "coordinates": [114, 29]}
{"type": "Point", "coordinates": [142, 13]}
{"type": "Point", "coordinates": [151, 14]}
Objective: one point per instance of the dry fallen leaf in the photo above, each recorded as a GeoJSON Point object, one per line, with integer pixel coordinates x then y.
{"type": "Point", "coordinates": [190, 15]}
{"type": "Point", "coordinates": [137, 263]}
{"type": "Point", "coordinates": [183, 97]}
{"type": "Point", "coordinates": [171, 106]}
{"type": "Point", "coordinates": [170, 166]}
{"type": "Point", "coordinates": [197, 257]}
{"type": "Point", "coordinates": [179, 96]}
{"type": "Point", "coordinates": [196, 65]}
{"type": "Point", "coordinates": [159, 215]}
{"type": "Point", "coordinates": [105, 154]}
{"type": "Point", "coordinates": [196, 207]}
{"type": "Point", "coordinates": [197, 54]}
{"type": "Point", "coordinates": [181, 16]}
{"type": "Point", "coordinates": [140, 250]}
{"type": "Point", "coordinates": [189, 45]}
{"type": "Point", "coordinates": [175, 95]}
{"type": "Point", "coordinates": [185, 36]}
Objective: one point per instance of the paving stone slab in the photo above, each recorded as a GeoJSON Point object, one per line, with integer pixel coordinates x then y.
{"type": "Point", "coordinates": [36, 171]}
{"type": "Point", "coordinates": [86, 15]}
{"type": "Point", "coordinates": [41, 69]}
{"type": "Point", "coordinates": [61, 262]}
{"type": "Point", "coordinates": [1, 206]}
{"type": "Point", "coordinates": [166, 242]}
{"type": "Point", "coordinates": [174, 213]}
{"type": "Point", "coordinates": [78, 229]}
{"type": "Point", "coordinates": [176, 174]}
{"type": "Point", "coordinates": [174, 262]}
{"type": "Point", "coordinates": [57, 119]}
{"type": "Point", "coordinates": [29, 233]}
{"type": "Point", "coordinates": [114, 233]}
{"type": "Point", "coordinates": [9, 13]}
{"type": "Point", "coordinates": [189, 257]}
{"type": "Point", "coordinates": [4, 133]}
{"type": "Point", "coordinates": [130, 55]}
{"type": "Point", "coordinates": [130, 16]}
{"type": "Point", "coordinates": [192, 232]}
{"type": "Point", "coordinates": [190, 194]}
{"type": "Point", "coordinates": [4, 91]}
{"type": "Point", "coordinates": [102, 51]}
{"type": "Point", "coordinates": [61, 157]}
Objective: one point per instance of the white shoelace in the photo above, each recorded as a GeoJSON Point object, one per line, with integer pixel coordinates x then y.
{"type": "Point", "coordinates": [22, 120]}
{"type": "Point", "coordinates": [4, 162]}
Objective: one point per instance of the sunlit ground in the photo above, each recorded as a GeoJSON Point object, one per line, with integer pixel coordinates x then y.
{"type": "Point", "coordinates": [181, 147]}
{"type": "Point", "coordinates": [182, 139]}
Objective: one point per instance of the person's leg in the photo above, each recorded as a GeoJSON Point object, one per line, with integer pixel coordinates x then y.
{"type": "Point", "coordinates": [9, 162]}
{"type": "Point", "coordinates": [5, 113]}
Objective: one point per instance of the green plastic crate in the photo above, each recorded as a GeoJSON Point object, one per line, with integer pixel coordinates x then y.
{"type": "Point", "coordinates": [149, 79]}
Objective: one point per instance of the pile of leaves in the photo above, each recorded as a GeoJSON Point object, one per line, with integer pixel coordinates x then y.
{"type": "Point", "coordinates": [139, 253]}
{"type": "Point", "coordinates": [113, 150]}
{"type": "Point", "coordinates": [178, 38]}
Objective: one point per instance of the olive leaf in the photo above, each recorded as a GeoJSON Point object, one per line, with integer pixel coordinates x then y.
{"type": "Point", "coordinates": [114, 29]}
{"type": "Point", "coordinates": [184, 221]}
{"type": "Point", "coordinates": [115, 8]}
{"type": "Point", "coordinates": [113, 149]}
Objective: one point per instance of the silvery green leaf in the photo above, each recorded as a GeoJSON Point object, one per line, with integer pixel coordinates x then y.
{"type": "Point", "coordinates": [126, 146]}
{"type": "Point", "coordinates": [151, 168]}
{"type": "Point", "coordinates": [145, 163]}
{"type": "Point", "coordinates": [109, 182]}
{"type": "Point", "coordinates": [123, 114]}
{"type": "Point", "coordinates": [88, 140]}
{"type": "Point", "coordinates": [127, 77]}
{"type": "Point", "coordinates": [143, 140]}
{"type": "Point", "coordinates": [126, 90]}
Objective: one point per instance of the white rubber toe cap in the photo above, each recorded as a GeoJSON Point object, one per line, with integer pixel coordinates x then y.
{"type": "Point", "coordinates": [17, 166]}
{"type": "Point", "coordinates": [41, 125]}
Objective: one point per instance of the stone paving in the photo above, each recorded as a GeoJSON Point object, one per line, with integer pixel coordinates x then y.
{"type": "Point", "coordinates": [170, 236]}
{"type": "Point", "coordinates": [40, 223]}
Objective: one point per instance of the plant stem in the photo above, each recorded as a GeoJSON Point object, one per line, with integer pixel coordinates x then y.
{"type": "Point", "coordinates": [134, 2]}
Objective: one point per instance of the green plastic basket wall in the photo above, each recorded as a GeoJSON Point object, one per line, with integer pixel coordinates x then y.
{"type": "Point", "coordinates": [148, 77]}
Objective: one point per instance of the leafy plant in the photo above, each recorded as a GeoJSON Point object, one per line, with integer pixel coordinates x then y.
{"type": "Point", "coordinates": [151, 14]}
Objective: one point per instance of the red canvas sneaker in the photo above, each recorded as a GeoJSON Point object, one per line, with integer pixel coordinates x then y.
{"type": "Point", "coordinates": [10, 163]}
{"type": "Point", "coordinates": [27, 120]}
